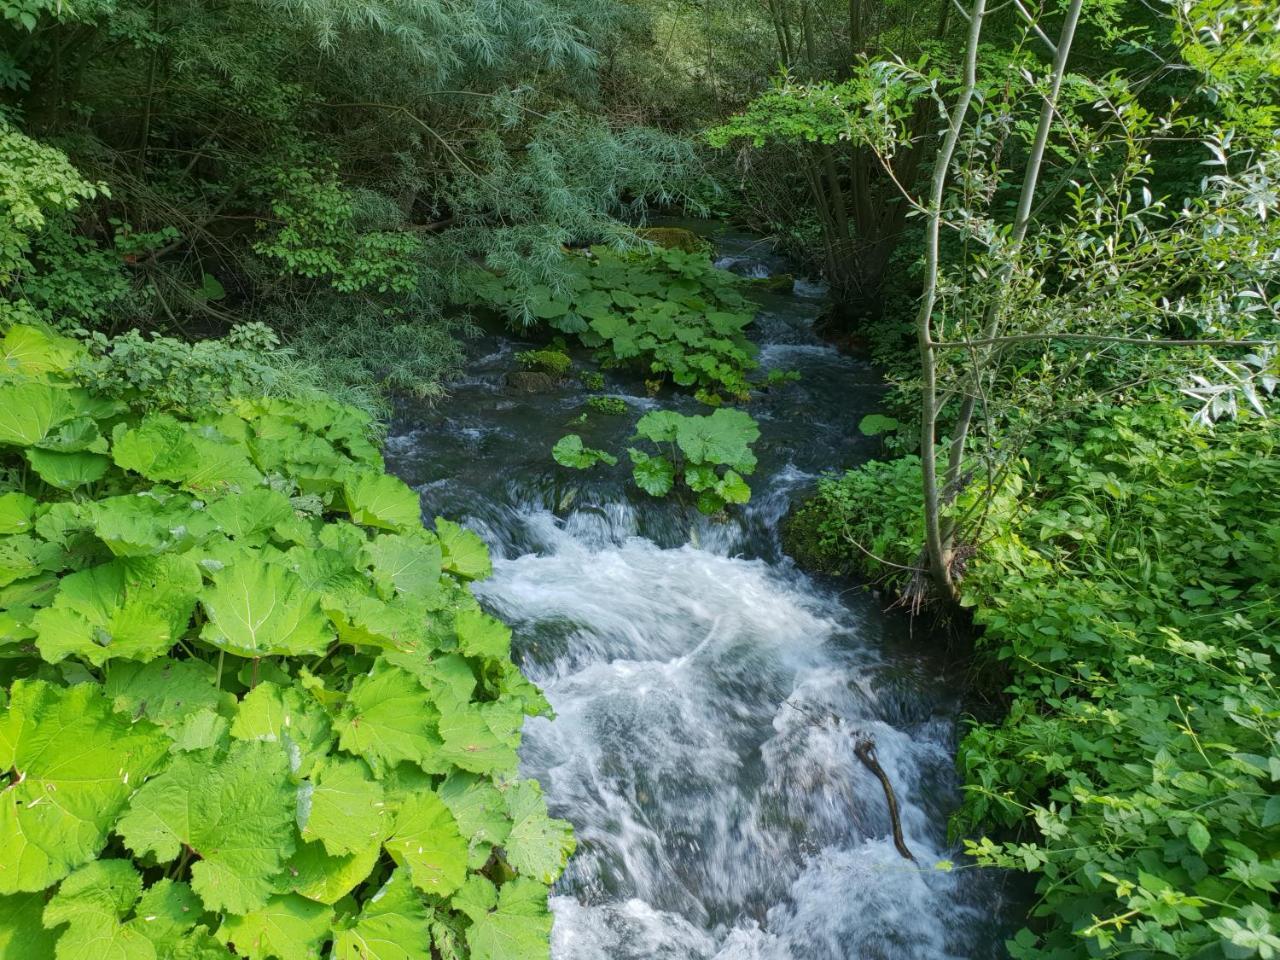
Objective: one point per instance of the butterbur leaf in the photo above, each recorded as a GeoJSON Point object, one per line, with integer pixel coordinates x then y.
{"type": "Point", "coordinates": [165, 691]}
{"type": "Point", "coordinates": [481, 738]}
{"type": "Point", "coordinates": [287, 927]}
{"type": "Point", "coordinates": [410, 563]}
{"type": "Point", "coordinates": [517, 924]}
{"type": "Point", "coordinates": [235, 811]}
{"type": "Point", "coordinates": [377, 499]}
{"type": "Point", "coordinates": [427, 843]}
{"type": "Point", "coordinates": [92, 902]}
{"type": "Point", "coordinates": [33, 351]}
{"type": "Point", "coordinates": [480, 635]}
{"type": "Point", "coordinates": [17, 513]}
{"type": "Point", "coordinates": [464, 553]}
{"type": "Point", "coordinates": [149, 523]}
{"type": "Point", "coordinates": [570, 452]}
{"type": "Point", "coordinates": [343, 808]}
{"type": "Point", "coordinates": [30, 412]}
{"type": "Point", "coordinates": [23, 935]}
{"type": "Point", "coordinates": [287, 716]}
{"type": "Point", "coordinates": [654, 475]}
{"type": "Point", "coordinates": [257, 609]}
{"type": "Point", "coordinates": [478, 806]}
{"type": "Point", "coordinates": [250, 516]}
{"type": "Point", "coordinates": [65, 743]}
{"type": "Point", "coordinates": [537, 845]}
{"type": "Point", "coordinates": [132, 609]}
{"type": "Point", "coordinates": [200, 459]}
{"type": "Point", "coordinates": [387, 719]}
{"type": "Point", "coordinates": [68, 471]}
{"type": "Point", "coordinates": [724, 437]}
{"type": "Point", "coordinates": [320, 876]}
{"type": "Point", "coordinates": [392, 925]}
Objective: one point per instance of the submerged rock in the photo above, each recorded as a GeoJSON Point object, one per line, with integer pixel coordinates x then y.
{"type": "Point", "coordinates": [531, 381]}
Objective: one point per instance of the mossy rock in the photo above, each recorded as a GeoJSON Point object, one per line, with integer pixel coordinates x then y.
{"type": "Point", "coordinates": [674, 238]}
{"type": "Point", "coordinates": [777, 283]}
{"type": "Point", "coordinates": [531, 381]}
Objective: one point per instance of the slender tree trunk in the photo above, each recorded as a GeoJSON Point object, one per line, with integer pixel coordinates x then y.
{"type": "Point", "coordinates": [939, 561]}
{"type": "Point", "coordinates": [1021, 222]}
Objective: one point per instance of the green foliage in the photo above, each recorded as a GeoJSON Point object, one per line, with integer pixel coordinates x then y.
{"type": "Point", "coordinates": [591, 379]}
{"type": "Point", "coordinates": [671, 314]}
{"type": "Point", "coordinates": [570, 452]}
{"type": "Point", "coordinates": [270, 709]}
{"type": "Point", "coordinates": [609, 406]}
{"type": "Point", "coordinates": [553, 361]}
{"type": "Point", "coordinates": [710, 455]}
{"type": "Point", "coordinates": [1130, 598]}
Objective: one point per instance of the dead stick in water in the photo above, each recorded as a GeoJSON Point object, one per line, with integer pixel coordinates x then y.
{"type": "Point", "coordinates": [866, 751]}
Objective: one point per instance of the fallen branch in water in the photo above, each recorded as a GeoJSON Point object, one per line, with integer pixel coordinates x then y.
{"type": "Point", "coordinates": [865, 748]}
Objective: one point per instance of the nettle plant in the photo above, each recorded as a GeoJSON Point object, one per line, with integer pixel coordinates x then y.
{"type": "Point", "coordinates": [672, 314]}
{"type": "Point", "coordinates": [709, 455]}
{"type": "Point", "coordinates": [251, 707]}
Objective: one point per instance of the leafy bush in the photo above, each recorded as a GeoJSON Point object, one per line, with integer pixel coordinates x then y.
{"type": "Point", "coordinates": [710, 455]}
{"type": "Point", "coordinates": [252, 707]}
{"type": "Point", "coordinates": [671, 313]}
{"type": "Point", "coordinates": [1133, 603]}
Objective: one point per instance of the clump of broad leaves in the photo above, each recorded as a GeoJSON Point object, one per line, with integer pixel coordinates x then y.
{"type": "Point", "coordinates": [671, 314]}
{"type": "Point", "coordinates": [251, 706]}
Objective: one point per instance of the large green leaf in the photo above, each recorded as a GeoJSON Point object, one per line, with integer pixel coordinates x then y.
{"type": "Point", "coordinates": [480, 635]}
{"type": "Point", "coordinates": [288, 927]}
{"type": "Point", "coordinates": [93, 902]}
{"type": "Point", "coordinates": [510, 924]}
{"type": "Point", "coordinates": [393, 925]}
{"type": "Point", "coordinates": [30, 412]}
{"type": "Point", "coordinates": [481, 737]}
{"type": "Point", "coordinates": [67, 471]}
{"type": "Point", "coordinates": [74, 764]}
{"type": "Point", "coordinates": [426, 841]}
{"type": "Point", "coordinates": [724, 437]}
{"type": "Point", "coordinates": [410, 563]}
{"type": "Point", "coordinates": [379, 500]}
{"type": "Point", "coordinates": [165, 691]}
{"type": "Point", "coordinates": [17, 513]}
{"type": "Point", "coordinates": [654, 475]}
{"type": "Point", "coordinates": [32, 351]}
{"type": "Point", "coordinates": [464, 552]}
{"type": "Point", "coordinates": [162, 448]}
{"type": "Point", "coordinates": [257, 608]}
{"type": "Point", "coordinates": [288, 716]}
{"type": "Point", "coordinates": [149, 523]}
{"type": "Point", "coordinates": [343, 808]}
{"type": "Point", "coordinates": [320, 876]}
{"type": "Point", "coordinates": [235, 811]}
{"type": "Point", "coordinates": [23, 935]}
{"type": "Point", "coordinates": [536, 845]}
{"type": "Point", "coordinates": [387, 719]}
{"type": "Point", "coordinates": [134, 609]}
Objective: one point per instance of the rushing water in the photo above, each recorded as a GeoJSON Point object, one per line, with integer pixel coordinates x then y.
{"type": "Point", "coordinates": [708, 694]}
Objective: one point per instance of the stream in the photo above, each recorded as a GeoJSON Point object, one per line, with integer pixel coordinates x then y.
{"type": "Point", "coordinates": [708, 693]}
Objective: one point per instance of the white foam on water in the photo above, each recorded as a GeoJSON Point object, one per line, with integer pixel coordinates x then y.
{"type": "Point", "coordinates": [707, 710]}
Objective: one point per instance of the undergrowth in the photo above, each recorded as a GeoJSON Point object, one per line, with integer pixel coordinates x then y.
{"type": "Point", "coordinates": [1132, 593]}
{"type": "Point", "coordinates": [252, 707]}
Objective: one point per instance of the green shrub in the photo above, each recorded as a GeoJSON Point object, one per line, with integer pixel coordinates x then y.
{"type": "Point", "coordinates": [1132, 598]}
{"type": "Point", "coordinates": [251, 705]}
